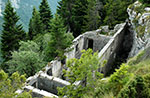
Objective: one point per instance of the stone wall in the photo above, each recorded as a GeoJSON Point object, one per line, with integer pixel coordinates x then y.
{"type": "Point", "coordinates": [98, 41]}
{"type": "Point", "coordinates": [42, 85]}
{"type": "Point", "coordinates": [50, 84]}
{"type": "Point", "coordinates": [37, 93]}
{"type": "Point", "coordinates": [116, 50]}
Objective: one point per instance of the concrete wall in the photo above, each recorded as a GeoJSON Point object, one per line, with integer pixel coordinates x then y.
{"type": "Point", "coordinates": [50, 84]}
{"type": "Point", "coordinates": [37, 93]}
{"type": "Point", "coordinates": [44, 85]}
{"type": "Point", "coordinates": [112, 50]}
{"type": "Point", "coordinates": [81, 42]}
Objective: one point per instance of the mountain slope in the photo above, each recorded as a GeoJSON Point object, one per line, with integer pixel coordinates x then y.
{"type": "Point", "coordinates": [24, 9]}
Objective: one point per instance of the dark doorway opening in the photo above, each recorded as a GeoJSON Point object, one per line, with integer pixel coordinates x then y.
{"type": "Point", "coordinates": [90, 44]}
{"type": "Point", "coordinates": [49, 72]}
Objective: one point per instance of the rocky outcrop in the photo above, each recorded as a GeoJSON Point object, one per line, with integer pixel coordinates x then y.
{"type": "Point", "coordinates": [139, 17]}
{"type": "Point", "coordinates": [106, 31]}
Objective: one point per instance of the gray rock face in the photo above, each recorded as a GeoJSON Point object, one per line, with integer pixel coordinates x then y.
{"type": "Point", "coordinates": [147, 9]}
{"type": "Point", "coordinates": [139, 23]}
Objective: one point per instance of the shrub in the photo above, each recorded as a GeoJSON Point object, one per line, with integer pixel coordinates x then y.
{"type": "Point", "coordinates": [119, 78]}
{"type": "Point", "coordinates": [27, 60]}
{"type": "Point", "coordinates": [8, 85]}
{"type": "Point", "coordinates": [145, 1]}
{"type": "Point", "coordinates": [133, 89]}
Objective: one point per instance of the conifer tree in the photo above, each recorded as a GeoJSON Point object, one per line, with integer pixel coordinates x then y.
{"type": "Point", "coordinates": [116, 11]}
{"type": "Point", "coordinates": [145, 1]}
{"type": "Point", "coordinates": [12, 32]}
{"type": "Point", "coordinates": [59, 40]}
{"type": "Point", "coordinates": [65, 11]}
{"type": "Point", "coordinates": [45, 14]}
{"type": "Point", "coordinates": [79, 12]}
{"type": "Point", "coordinates": [35, 25]}
{"type": "Point", "coordinates": [73, 12]}
{"type": "Point", "coordinates": [93, 18]}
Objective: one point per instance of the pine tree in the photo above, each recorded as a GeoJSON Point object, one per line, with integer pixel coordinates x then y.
{"type": "Point", "coordinates": [79, 11]}
{"type": "Point", "coordinates": [116, 11]}
{"type": "Point", "coordinates": [12, 32]}
{"type": "Point", "coordinates": [73, 12]}
{"type": "Point", "coordinates": [45, 14]}
{"type": "Point", "coordinates": [59, 40]}
{"type": "Point", "coordinates": [35, 25]}
{"type": "Point", "coordinates": [65, 11]}
{"type": "Point", "coordinates": [145, 1]}
{"type": "Point", "coordinates": [93, 18]}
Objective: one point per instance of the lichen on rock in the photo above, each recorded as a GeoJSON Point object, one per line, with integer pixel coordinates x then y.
{"type": "Point", "coordinates": [139, 17]}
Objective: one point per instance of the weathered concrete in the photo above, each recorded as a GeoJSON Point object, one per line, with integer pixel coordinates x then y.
{"type": "Point", "coordinates": [50, 84]}
{"type": "Point", "coordinates": [83, 41]}
{"type": "Point", "coordinates": [37, 93]}
{"type": "Point", "coordinates": [43, 85]}
{"type": "Point", "coordinates": [117, 49]}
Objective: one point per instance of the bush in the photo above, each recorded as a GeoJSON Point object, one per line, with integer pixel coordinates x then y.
{"type": "Point", "coordinates": [8, 85]}
{"type": "Point", "coordinates": [119, 78]}
{"type": "Point", "coordinates": [27, 60]}
{"type": "Point", "coordinates": [83, 70]}
{"type": "Point", "coordinates": [145, 1]}
{"type": "Point", "coordinates": [133, 89]}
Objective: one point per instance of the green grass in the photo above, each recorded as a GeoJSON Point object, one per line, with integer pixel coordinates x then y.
{"type": "Point", "coordinates": [141, 68]}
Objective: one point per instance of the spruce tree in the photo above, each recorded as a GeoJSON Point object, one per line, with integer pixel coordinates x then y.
{"type": "Point", "coordinates": [12, 32]}
{"type": "Point", "coordinates": [73, 12]}
{"type": "Point", "coordinates": [116, 12]}
{"type": "Point", "coordinates": [93, 18]}
{"type": "Point", "coordinates": [79, 11]}
{"type": "Point", "coordinates": [59, 40]}
{"type": "Point", "coordinates": [35, 25]}
{"type": "Point", "coordinates": [65, 11]}
{"type": "Point", "coordinates": [45, 14]}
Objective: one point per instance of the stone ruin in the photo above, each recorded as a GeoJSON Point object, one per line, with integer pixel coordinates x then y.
{"type": "Point", "coordinates": [46, 81]}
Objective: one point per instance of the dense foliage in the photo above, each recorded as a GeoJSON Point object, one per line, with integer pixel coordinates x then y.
{"type": "Point", "coordinates": [82, 15]}
{"type": "Point", "coordinates": [45, 14]}
{"type": "Point", "coordinates": [60, 41]}
{"type": "Point", "coordinates": [12, 33]}
{"type": "Point", "coordinates": [82, 74]}
{"type": "Point", "coordinates": [49, 37]}
{"type": "Point", "coordinates": [35, 25]}
{"type": "Point", "coordinates": [126, 82]}
{"type": "Point", "coordinates": [27, 60]}
{"type": "Point", "coordinates": [9, 85]}
{"type": "Point", "coordinates": [45, 42]}
{"type": "Point", "coordinates": [145, 1]}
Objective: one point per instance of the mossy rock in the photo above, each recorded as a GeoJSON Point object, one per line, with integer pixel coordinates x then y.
{"type": "Point", "coordinates": [140, 30]}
